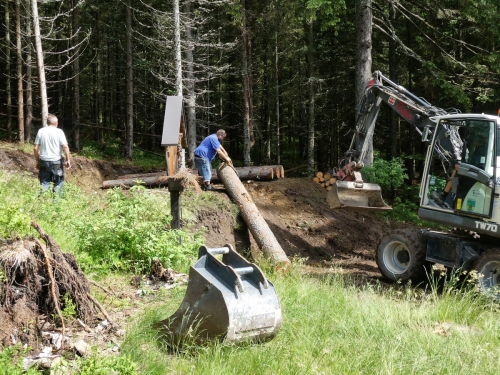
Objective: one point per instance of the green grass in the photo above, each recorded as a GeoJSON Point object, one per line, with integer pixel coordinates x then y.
{"type": "Point", "coordinates": [332, 326]}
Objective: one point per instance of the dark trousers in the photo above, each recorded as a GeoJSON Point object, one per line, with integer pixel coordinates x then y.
{"type": "Point", "coordinates": [52, 171]}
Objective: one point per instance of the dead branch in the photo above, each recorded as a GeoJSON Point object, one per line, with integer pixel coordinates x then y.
{"type": "Point", "coordinates": [110, 292]}
{"type": "Point", "coordinates": [100, 307]}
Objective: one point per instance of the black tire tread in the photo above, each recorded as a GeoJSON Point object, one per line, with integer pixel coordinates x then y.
{"type": "Point", "coordinates": [416, 243]}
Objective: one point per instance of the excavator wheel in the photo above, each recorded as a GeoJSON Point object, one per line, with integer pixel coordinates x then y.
{"type": "Point", "coordinates": [401, 256]}
{"type": "Point", "coordinates": [488, 269]}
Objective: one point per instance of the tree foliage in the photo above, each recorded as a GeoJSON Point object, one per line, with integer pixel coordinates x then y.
{"type": "Point", "coordinates": [444, 51]}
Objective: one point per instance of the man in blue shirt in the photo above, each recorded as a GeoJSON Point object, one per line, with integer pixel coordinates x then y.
{"type": "Point", "coordinates": [206, 152]}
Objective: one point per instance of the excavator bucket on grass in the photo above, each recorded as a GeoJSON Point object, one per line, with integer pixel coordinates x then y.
{"type": "Point", "coordinates": [352, 195]}
{"type": "Point", "coordinates": [228, 299]}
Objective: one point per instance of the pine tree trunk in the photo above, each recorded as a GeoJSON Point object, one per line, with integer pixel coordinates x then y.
{"type": "Point", "coordinates": [247, 120]}
{"type": "Point", "coordinates": [129, 123]}
{"type": "Point", "coordinates": [76, 78]}
{"type": "Point", "coordinates": [363, 58]}
{"type": "Point", "coordinates": [190, 86]}
{"type": "Point", "coordinates": [40, 64]}
{"type": "Point", "coordinates": [28, 118]}
{"type": "Point", "coordinates": [311, 86]}
{"type": "Point", "coordinates": [8, 87]}
{"type": "Point", "coordinates": [20, 90]}
{"type": "Point", "coordinates": [178, 55]}
{"type": "Point", "coordinates": [253, 218]}
{"type": "Point", "coordinates": [278, 149]}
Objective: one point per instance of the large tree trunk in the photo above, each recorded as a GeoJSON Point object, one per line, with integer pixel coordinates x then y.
{"type": "Point", "coordinates": [178, 55]}
{"type": "Point", "coordinates": [28, 118]}
{"type": "Point", "coordinates": [129, 126]}
{"type": "Point", "coordinates": [190, 86]}
{"type": "Point", "coordinates": [256, 224]}
{"type": "Point", "coordinates": [8, 87]}
{"type": "Point", "coordinates": [311, 85]}
{"type": "Point", "coordinates": [278, 136]}
{"type": "Point", "coordinates": [363, 58]}
{"type": "Point", "coordinates": [76, 78]}
{"type": "Point", "coordinates": [20, 90]}
{"type": "Point", "coordinates": [393, 75]}
{"type": "Point", "coordinates": [40, 64]}
{"type": "Point", "coordinates": [247, 110]}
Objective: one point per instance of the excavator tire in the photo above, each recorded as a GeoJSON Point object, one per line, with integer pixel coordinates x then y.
{"type": "Point", "coordinates": [488, 269]}
{"type": "Point", "coordinates": [401, 256]}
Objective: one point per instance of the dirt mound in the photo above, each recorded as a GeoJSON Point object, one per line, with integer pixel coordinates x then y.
{"type": "Point", "coordinates": [88, 174]}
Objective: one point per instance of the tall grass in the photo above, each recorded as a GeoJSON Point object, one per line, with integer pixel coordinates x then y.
{"type": "Point", "coordinates": [332, 326]}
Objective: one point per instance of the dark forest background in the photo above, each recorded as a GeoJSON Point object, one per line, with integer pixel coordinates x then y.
{"type": "Point", "coordinates": [291, 61]}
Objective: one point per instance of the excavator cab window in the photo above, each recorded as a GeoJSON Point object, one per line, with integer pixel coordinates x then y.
{"type": "Point", "coordinates": [477, 170]}
{"type": "Point", "coordinates": [465, 148]}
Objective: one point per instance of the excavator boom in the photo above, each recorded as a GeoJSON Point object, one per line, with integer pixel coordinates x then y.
{"type": "Point", "coordinates": [350, 191]}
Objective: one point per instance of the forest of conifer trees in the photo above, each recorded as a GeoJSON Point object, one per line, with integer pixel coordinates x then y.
{"type": "Point", "coordinates": [279, 76]}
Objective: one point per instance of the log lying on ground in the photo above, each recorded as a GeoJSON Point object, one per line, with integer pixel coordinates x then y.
{"type": "Point", "coordinates": [160, 179]}
{"type": "Point", "coordinates": [257, 225]}
{"type": "Point", "coordinates": [156, 179]}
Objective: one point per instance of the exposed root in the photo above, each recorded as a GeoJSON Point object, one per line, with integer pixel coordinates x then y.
{"type": "Point", "coordinates": [52, 284]}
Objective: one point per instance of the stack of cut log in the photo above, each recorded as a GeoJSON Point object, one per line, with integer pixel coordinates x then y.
{"type": "Point", "coordinates": [325, 180]}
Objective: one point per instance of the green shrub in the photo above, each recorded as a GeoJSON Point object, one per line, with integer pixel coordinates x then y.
{"type": "Point", "coordinates": [130, 230]}
{"type": "Point", "coordinates": [11, 361]}
{"type": "Point", "coordinates": [388, 174]}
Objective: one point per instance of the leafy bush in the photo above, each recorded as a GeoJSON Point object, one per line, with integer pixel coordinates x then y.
{"type": "Point", "coordinates": [388, 174]}
{"type": "Point", "coordinates": [132, 229]}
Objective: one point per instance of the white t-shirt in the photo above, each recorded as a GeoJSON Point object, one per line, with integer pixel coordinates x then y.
{"type": "Point", "coordinates": [50, 139]}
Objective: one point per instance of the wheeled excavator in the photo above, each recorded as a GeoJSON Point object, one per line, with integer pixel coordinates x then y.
{"type": "Point", "coordinates": [464, 152]}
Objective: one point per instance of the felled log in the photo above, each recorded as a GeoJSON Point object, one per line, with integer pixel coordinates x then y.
{"type": "Point", "coordinates": [160, 179]}
{"type": "Point", "coordinates": [259, 173]}
{"type": "Point", "coordinates": [141, 175]}
{"type": "Point", "coordinates": [157, 180]}
{"type": "Point", "coordinates": [258, 227]}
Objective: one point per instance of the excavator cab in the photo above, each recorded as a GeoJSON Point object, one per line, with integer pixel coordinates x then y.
{"type": "Point", "coordinates": [471, 184]}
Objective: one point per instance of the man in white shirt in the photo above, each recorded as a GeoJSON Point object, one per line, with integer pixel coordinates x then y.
{"type": "Point", "coordinates": [49, 160]}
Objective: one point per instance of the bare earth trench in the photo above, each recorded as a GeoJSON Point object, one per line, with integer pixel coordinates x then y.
{"type": "Point", "coordinates": [294, 208]}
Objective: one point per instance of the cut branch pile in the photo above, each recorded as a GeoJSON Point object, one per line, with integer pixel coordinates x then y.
{"type": "Point", "coordinates": [325, 180]}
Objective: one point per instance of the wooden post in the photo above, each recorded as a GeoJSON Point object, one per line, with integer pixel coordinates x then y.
{"type": "Point", "coordinates": [175, 186]}
{"type": "Point", "coordinates": [175, 209]}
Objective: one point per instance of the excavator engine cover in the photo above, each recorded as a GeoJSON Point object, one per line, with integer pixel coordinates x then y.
{"type": "Point", "coordinates": [351, 194]}
{"type": "Point", "coordinates": [229, 300]}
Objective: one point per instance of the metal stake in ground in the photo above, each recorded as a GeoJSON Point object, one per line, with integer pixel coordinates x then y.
{"type": "Point", "coordinates": [257, 225]}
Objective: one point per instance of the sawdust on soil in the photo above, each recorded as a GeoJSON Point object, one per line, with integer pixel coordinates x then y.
{"type": "Point", "coordinates": [294, 208]}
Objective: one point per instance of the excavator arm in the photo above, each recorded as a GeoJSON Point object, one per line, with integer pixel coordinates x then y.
{"type": "Point", "coordinates": [351, 191]}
